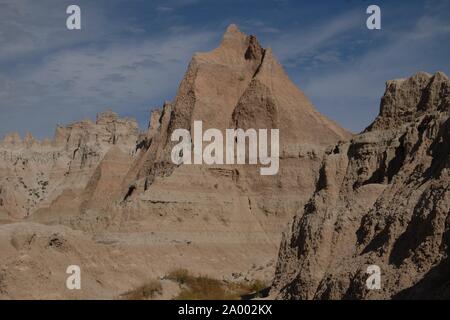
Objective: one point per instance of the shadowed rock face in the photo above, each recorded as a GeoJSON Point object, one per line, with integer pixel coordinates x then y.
{"type": "Point", "coordinates": [382, 198]}
{"type": "Point", "coordinates": [122, 191]}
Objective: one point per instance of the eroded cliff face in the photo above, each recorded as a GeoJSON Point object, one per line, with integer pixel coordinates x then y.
{"type": "Point", "coordinates": [383, 198]}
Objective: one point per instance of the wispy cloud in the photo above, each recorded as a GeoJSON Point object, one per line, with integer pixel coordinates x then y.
{"type": "Point", "coordinates": [164, 9]}
{"type": "Point", "coordinates": [259, 25]}
{"type": "Point", "coordinates": [53, 75]}
{"type": "Point", "coordinates": [83, 82]}
{"type": "Point", "coordinates": [31, 28]}
{"type": "Point", "coordinates": [296, 45]}
{"type": "Point", "coordinates": [131, 56]}
{"type": "Point", "coordinates": [351, 90]}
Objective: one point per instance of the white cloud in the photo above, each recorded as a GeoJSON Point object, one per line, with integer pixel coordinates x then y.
{"type": "Point", "coordinates": [355, 87]}
{"type": "Point", "coordinates": [262, 27]}
{"type": "Point", "coordinates": [164, 9]}
{"type": "Point", "coordinates": [50, 75]}
{"type": "Point", "coordinates": [32, 27]}
{"type": "Point", "coordinates": [81, 82]}
{"type": "Point", "coordinates": [401, 53]}
{"type": "Point", "coordinates": [295, 44]}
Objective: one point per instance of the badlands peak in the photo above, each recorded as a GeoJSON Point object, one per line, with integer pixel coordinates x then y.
{"type": "Point", "coordinates": [406, 100]}
{"type": "Point", "coordinates": [242, 83]}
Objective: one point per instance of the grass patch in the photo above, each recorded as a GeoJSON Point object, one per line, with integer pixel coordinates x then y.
{"type": "Point", "coordinates": [205, 288]}
{"type": "Point", "coordinates": [253, 287]}
{"type": "Point", "coordinates": [179, 275]}
{"type": "Point", "coordinates": [257, 285]}
{"type": "Point", "coordinates": [145, 292]}
{"type": "Point", "coordinates": [201, 287]}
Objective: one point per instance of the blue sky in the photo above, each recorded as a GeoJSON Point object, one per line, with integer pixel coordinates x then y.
{"type": "Point", "coordinates": [131, 55]}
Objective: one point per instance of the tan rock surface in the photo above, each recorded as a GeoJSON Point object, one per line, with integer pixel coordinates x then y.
{"type": "Point", "coordinates": [123, 195]}
{"type": "Point", "coordinates": [383, 199]}
{"type": "Point", "coordinates": [33, 174]}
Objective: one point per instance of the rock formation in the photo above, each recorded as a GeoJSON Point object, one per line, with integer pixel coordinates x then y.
{"type": "Point", "coordinates": [239, 84]}
{"type": "Point", "coordinates": [383, 198]}
{"type": "Point", "coordinates": [124, 197]}
{"type": "Point", "coordinates": [34, 173]}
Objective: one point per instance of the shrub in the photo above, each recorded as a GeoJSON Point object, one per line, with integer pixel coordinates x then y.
{"type": "Point", "coordinates": [201, 287]}
{"type": "Point", "coordinates": [252, 288]}
{"type": "Point", "coordinates": [258, 285]}
{"type": "Point", "coordinates": [145, 292]}
{"type": "Point", "coordinates": [205, 288]}
{"type": "Point", "coordinates": [179, 275]}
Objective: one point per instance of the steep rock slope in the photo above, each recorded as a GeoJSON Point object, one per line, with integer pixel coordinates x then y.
{"type": "Point", "coordinates": [383, 199]}
{"type": "Point", "coordinates": [238, 85]}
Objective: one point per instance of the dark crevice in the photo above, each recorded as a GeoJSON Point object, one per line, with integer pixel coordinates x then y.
{"type": "Point", "coordinates": [130, 191]}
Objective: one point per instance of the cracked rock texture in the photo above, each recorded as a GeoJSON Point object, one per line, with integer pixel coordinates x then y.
{"type": "Point", "coordinates": [382, 198]}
